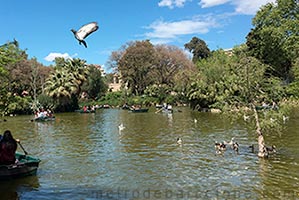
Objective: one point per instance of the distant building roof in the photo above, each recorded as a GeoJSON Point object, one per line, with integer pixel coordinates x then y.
{"type": "Point", "coordinates": [229, 51]}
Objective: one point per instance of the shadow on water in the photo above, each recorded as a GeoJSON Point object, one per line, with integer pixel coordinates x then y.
{"type": "Point", "coordinates": [14, 189]}
{"type": "Point", "coordinates": [87, 156]}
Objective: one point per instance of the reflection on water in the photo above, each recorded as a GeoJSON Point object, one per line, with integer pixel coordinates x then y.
{"type": "Point", "coordinates": [86, 156]}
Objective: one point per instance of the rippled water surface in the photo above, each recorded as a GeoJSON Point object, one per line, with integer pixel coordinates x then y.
{"type": "Point", "coordinates": [86, 156]}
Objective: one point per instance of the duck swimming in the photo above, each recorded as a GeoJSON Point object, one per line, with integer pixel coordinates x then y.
{"type": "Point", "coordinates": [235, 146]}
{"type": "Point", "coordinates": [179, 140]}
{"type": "Point", "coordinates": [231, 142]}
{"type": "Point", "coordinates": [284, 119]}
{"type": "Point", "coordinates": [271, 149]}
{"type": "Point", "coordinates": [246, 117]}
{"type": "Point", "coordinates": [252, 148]}
{"type": "Point", "coordinates": [217, 145]}
{"type": "Point", "coordinates": [220, 146]}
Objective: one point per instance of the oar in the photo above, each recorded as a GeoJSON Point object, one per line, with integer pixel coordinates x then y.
{"type": "Point", "coordinates": [18, 141]}
{"type": "Point", "coordinates": [159, 110]}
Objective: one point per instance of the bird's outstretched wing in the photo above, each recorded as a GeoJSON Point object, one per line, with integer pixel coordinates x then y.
{"type": "Point", "coordinates": [86, 30]}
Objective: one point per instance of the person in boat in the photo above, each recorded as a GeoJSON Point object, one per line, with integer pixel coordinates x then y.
{"type": "Point", "coordinates": [85, 108]}
{"type": "Point", "coordinates": [8, 147]}
{"type": "Point", "coordinates": [49, 113]}
{"type": "Point", "coordinates": [40, 113]}
{"type": "Point", "coordinates": [36, 114]}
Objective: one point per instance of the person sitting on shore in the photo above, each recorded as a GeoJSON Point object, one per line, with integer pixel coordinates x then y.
{"type": "Point", "coordinates": [8, 147]}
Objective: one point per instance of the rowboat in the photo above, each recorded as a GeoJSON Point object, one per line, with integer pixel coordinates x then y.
{"type": "Point", "coordinates": [85, 111]}
{"type": "Point", "coordinates": [26, 166]}
{"type": "Point", "coordinates": [44, 119]}
{"type": "Point", "coordinates": [139, 110]}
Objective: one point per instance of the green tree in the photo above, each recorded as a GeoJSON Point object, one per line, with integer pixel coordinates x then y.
{"type": "Point", "coordinates": [10, 58]}
{"type": "Point", "coordinates": [135, 66]}
{"type": "Point", "coordinates": [94, 86]}
{"type": "Point", "coordinates": [231, 81]}
{"type": "Point", "coordinates": [293, 88]}
{"type": "Point", "coordinates": [198, 48]}
{"type": "Point", "coordinates": [274, 38]}
{"type": "Point", "coordinates": [170, 60]}
{"type": "Point", "coordinates": [64, 84]}
{"type": "Point", "coordinates": [60, 86]}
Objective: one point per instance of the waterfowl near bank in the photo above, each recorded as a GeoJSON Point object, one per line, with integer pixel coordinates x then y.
{"type": "Point", "coordinates": [271, 149]}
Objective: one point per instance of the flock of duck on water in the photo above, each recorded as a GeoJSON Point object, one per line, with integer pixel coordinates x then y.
{"type": "Point", "coordinates": [221, 147]}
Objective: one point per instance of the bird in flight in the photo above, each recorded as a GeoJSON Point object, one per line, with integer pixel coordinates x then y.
{"type": "Point", "coordinates": [85, 31]}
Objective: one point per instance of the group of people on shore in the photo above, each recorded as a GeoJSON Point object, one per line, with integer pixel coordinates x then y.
{"type": "Point", "coordinates": [8, 147]}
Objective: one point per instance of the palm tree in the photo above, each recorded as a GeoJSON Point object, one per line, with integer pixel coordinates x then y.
{"type": "Point", "coordinates": [61, 85]}
{"type": "Point", "coordinates": [78, 69]}
{"type": "Point", "coordinates": [64, 85]}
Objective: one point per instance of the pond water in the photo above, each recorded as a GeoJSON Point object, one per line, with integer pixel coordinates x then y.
{"type": "Point", "coordinates": [86, 156]}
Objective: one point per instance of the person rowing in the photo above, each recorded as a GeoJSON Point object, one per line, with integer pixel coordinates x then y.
{"type": "Point", "coordinates": [8, 147]}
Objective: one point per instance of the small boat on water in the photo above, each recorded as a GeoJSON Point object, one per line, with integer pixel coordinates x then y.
{"type": "Point", "coordinates": [85, 111]}
{"type": "Point", "coordinates": [26, 166]}
{"type": "Point", "coordinates": [44, 119]}
{"type": "Point", "coordinates": [167, 109]}
{"type": "Point", "coordinates": [139, 110]}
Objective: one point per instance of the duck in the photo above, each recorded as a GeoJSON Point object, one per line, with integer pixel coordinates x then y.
{"type": "Point", "coordinates": [246, 117]}
{"type": "Point", "coordinates": [231, 142]}
{"type": "Point", "coordinates": [252, 148]}
{"type": "Point", "coordinates": [220, 146]}
{"type": "Point", "coordinates": [284, 119]}
{"type": "Point", "coordinates": [179, 140]}
{"type": "Point", "coordinates": [235, 146]}
{"type": "Point", "coordinates": [217, 145]}
{"type": "Point", "coordinates": [271, 149]}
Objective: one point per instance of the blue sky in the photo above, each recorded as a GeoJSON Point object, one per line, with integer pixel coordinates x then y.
{"type": "Point", "coordinates": [42, 27]}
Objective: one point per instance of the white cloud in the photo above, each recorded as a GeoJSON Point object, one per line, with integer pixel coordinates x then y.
{"type": "Point", "coordinates": [179, 3]}
{"type": "Point", "coordinates": [169, 31]}
{"type": "Point", "coordinates": [156, 41]}
{"type": "Point", "coordinates": [248, 7]}
{"type": "Point", "coordinates": [172, 3]}
{"type": "Point", "coordinates": [167, 3]}
{"type": "Point", "coordinates": [51, 57]}
{"type": "Point", "coordinates": [211, 3]}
